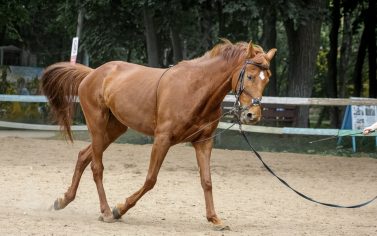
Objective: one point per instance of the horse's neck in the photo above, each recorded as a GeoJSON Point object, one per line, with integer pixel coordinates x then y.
{"type": "Point", "coordinates": [219, 72]}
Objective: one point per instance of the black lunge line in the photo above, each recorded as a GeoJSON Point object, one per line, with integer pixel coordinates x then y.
{"type": "Point", "coordinates": [237, 108]}
{"type": "Point", "coordinates": [294, 190]}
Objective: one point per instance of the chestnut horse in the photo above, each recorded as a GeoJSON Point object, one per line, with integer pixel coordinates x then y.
{"type": "Point", "coordinates": [180, 104]}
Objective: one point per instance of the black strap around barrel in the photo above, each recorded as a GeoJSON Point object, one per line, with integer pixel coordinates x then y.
{"type": "Point", "coordinates": [294, 190]}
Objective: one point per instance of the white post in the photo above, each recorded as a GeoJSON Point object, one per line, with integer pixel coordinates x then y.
{"type": "Point", "coordinates": [75, 46]}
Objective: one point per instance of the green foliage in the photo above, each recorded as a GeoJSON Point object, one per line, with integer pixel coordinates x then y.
{"type": "Point", "coordinates": [13, 15]}
{"type": "Point", "coordinates": [4, 84]}
{"type": "Point", "coordinates": [115, 30]}
{"type": "Point", "coordinates": [321, 75]}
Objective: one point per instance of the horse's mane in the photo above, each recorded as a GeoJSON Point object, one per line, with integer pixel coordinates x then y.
{"type": "Point", "coordinates": [230, 51]}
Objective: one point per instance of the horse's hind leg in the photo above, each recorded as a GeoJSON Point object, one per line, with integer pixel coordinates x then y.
{"type": "Point", "coordinates": [113, 131]}
{"type": "Point", "coordinates": [84, 158]}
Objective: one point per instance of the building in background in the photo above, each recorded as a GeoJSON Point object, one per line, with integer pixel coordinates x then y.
{"type": "Point", "coordinates": [14, 56]}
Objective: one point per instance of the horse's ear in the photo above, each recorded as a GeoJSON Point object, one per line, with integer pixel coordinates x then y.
{"type": "Point", "coordinates": [271, 54]}
{"type": "Point", "coordinates": [226, 41]}
{"type": "Point", "coordinates": [250, 50]}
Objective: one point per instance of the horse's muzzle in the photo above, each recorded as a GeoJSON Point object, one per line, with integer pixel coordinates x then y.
{"type": "Point", "coordinates": [249, 117]}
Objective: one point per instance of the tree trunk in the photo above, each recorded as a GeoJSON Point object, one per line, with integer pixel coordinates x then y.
{"type": "Point", "coordinates": [331, 82]}
{"type": "Point", "coordinates": [370, 25]}
{"type": "Point", "coordinates": [303, 43]}
{"type": "Point", "coordinates": [2, 34]}
{"type": "Point", "coordinates": [176, 44]}
{"type": "Point", "coordinates": [268, 42]}
{"type": "Point", "coordinates": [151, 38]}
{"type": "Point", "coordinates": [206, 25]}
{"type": "Point", "coordinates": [357, 74]}
{"type": "Point", "coordinates": [220, 18]}
{"type": "Point", "coordinates": [345, 52]}
{"type": "Point", "coordinates": [129, 54]}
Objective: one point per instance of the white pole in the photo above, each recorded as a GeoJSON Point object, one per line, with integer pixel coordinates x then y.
{"type": "Point", "coordinates": [74, 50]}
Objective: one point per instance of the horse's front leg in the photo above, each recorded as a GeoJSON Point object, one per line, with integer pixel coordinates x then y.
{"type": "Point", "coordinates": [160, 148]}
{"type": "Point", "coordinates": [203, 154]}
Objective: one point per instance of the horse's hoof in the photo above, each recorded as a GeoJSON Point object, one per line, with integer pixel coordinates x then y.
{"type": "Point", "coordinates": [221, 228]}
{"type": "Point", "coordinates": [116, 213]}
{"type": "Point", "coordinates": [58, 204]}
{"type": "Point", "coordinates": [107, 219]}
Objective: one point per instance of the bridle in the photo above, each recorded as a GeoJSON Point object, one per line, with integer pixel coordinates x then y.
{"type": "Point", "coordinates": [239, 89]}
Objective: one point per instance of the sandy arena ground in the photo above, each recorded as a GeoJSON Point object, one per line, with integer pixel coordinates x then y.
{"type": "Point", "coordinates": [34, 172]}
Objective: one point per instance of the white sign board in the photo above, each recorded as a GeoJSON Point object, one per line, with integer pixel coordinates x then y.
{"type": "Point", "coordinates": [363, 116]}
{"type": "Point", "coordinates": [74, 50]}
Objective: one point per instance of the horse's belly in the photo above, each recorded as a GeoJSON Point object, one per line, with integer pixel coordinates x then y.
{"type": "Point", "coordinates": [135, 120]}
{"type": "Point", "coordinates": [133, 110]}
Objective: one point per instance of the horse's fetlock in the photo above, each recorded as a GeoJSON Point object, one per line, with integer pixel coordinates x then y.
{"type": "Point", "coordinates": [128, 205]}
{"type": "Point", "coordinates": [213, 218]}
{"type": "Point", "coordinates": [69, 197]}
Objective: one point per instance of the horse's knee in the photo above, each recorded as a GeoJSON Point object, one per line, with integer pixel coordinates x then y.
{"type": "Point", "coordinates": [206, 185]}
{"type": "Point", "coordinates": [97, 170]}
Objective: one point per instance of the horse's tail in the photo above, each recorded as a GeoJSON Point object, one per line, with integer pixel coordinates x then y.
{"type": "Point", "coordinates": [60, 83]}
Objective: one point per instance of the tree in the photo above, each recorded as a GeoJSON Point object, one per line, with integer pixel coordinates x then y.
{"type": "Point", "coordinates": [164, 32]}
{"type": "Point", "coordinates": [332, 82]}
{"type": "Point", "coordinates": [13, 15]}
{"type": "Point", "coordinates": [370, 25]}
{"type": "Point", "coordinates": [345, 49]}
{"type": "Point", "coordinates": [113, 30]}
{"type": "Point", "coordinates": [269, 35]}
{"type": "Point", "coordinates": [151, 37]}
{"type": "Point", "coordinates": [303, 34]}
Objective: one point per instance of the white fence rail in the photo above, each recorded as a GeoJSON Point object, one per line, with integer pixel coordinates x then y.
{"type": "Point", "coordinates": [222, 125]}
{"type": "Point", "coordinates": [230, 98]}
{"type": "Point", "coordinates": [22, 98]}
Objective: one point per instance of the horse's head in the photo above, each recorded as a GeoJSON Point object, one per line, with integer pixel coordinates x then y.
{"type": "Point", "coordinates": [249, 81]}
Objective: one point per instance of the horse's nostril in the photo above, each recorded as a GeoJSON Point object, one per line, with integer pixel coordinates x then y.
{"type": "Point", "coordinates": [249, 115]}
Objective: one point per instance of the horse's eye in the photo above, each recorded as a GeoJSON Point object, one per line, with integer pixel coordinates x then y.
{"type": "Point", "coordinates": [249, 77]}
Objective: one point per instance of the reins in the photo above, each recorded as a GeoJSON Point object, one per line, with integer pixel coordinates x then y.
{"type": "Point", "coordinates": [208, 124]}
{"type": "Point", "coordinates": [158, 85]}
{"type": "Point", "coordinates": [294, 190]}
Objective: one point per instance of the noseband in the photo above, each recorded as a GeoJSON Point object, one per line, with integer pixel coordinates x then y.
{"type": "Point", "coordinates": [241, 89]}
